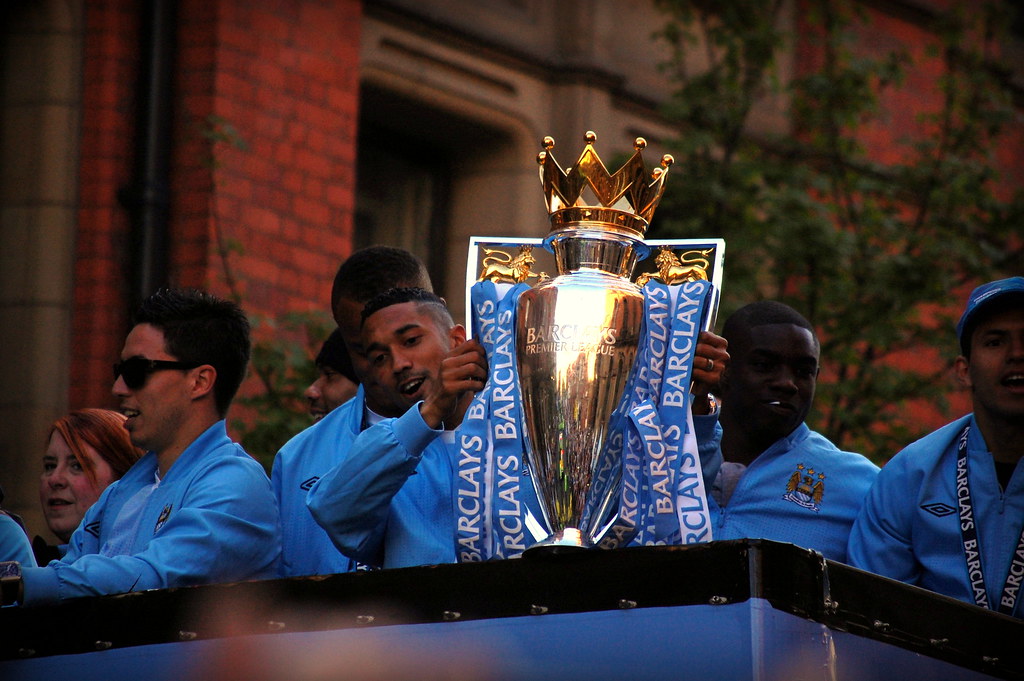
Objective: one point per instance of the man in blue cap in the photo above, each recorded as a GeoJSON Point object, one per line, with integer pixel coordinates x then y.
{"type": "Point", "coordinates": [947, 513]}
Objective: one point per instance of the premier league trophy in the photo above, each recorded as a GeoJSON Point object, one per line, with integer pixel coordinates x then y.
{"type": "Point", "coordinates": [589, 372]}
{"type": "Point", "coordinates": [577, 334]}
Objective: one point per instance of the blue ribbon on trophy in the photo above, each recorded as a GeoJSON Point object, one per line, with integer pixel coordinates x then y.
{"type": "Point", "coordinates": [656, 520]}
{"type": "Point", "coordinates": [474, 464]}
{"type": "Point", "coordinates": [625, 443]}
{"type": "Point", "coordinates": [512, 499]}
{"type": "Point", "coordinates": [669, 505]}
{"type": "Point", "coordinates": [692, 307]}
{"type": "Point", "coordinates": [689, 309]}
{"type": "Point", "coordinates": [503, 524]}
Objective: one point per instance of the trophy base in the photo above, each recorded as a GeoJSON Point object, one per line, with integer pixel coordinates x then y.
{"type": "Point", "coordinates": [569, 540]}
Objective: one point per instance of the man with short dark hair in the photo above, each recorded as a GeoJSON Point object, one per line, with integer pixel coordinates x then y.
{"type": "Point", "coordinates": [336, 382]}
{"type": "Point", "coordinates": [947, 512]}
{"type": "Point", "coordinates": [311, 453]}
{"type": "Point", "coordinates": [365, 274]}
{"type": "Point", "coordinates": [196, 508]}
{"type": "Point", "coordinates": [778, 479]}
{"type": "Point", "coordinates": [389, 501]}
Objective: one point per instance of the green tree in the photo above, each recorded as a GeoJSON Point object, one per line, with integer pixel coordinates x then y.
{"type": "Point", "coordinates": [283, 361]}
{"type": "Point", "coordinates": [870, 251]}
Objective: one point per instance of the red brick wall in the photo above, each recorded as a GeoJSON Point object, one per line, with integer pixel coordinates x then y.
{"type": "Point", "coordinates": [890, 26]}
{"type": "Point", "coordinates": [284, 75]}
{"type": "Point", "coordinates": [100, 292]}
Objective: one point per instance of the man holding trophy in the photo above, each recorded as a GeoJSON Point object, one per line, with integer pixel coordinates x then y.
{"type": "Point", "coordinates": [389, 502]}
{"type": "Point", "coordinates": [585, 408]}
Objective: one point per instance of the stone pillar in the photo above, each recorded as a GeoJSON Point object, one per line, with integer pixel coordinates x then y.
{"type": "Point", "coordinates": [40, 52]}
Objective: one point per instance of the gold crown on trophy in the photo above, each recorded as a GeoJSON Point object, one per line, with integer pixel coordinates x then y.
{"type": "Point", "coordinates": [625, 201]}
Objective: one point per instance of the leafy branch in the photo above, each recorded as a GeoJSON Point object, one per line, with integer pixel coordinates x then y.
{"type": "Point", "coordinates": [869, 248]}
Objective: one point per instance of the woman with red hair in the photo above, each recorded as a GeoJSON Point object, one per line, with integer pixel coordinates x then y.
{"type": "Point", "coordinates": [86, 450]}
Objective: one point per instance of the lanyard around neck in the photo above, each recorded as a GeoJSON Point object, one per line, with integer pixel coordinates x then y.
{"type": "Point", "coordinates": [969, 537]}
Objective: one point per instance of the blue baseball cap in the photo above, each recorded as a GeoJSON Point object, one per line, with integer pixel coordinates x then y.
{"type": "Point", "coordinates": [983, 298]}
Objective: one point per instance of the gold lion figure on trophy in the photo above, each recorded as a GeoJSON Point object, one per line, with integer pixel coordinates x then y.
{"type": "Point", "coordinates": [690, 266]}
{"type": "Point", "coordinates": [500, 267]}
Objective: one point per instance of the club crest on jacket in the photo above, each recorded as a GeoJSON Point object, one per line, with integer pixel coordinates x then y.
{"type": "Point", "coordinates": [164, 515]}
{"type": "Point", "coordinates": [805, 487]}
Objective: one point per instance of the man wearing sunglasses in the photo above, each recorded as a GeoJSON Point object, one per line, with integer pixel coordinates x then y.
{"type": "Point", "coordinates": [196, 508]}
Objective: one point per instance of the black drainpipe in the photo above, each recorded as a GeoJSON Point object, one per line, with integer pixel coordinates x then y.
{"type": "Point", "coordinates": [148, 196]}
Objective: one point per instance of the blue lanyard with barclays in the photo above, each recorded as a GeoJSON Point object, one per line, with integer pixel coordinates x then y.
{"type": "Point", "coordinates": [972, 550]}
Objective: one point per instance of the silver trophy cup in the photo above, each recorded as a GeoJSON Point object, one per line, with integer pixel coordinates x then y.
{"type": "Point", "coordinates": [577, 334]}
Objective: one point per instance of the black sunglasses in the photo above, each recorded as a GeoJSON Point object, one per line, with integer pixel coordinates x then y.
{"type": "Point", "coordinates": [136, 370]}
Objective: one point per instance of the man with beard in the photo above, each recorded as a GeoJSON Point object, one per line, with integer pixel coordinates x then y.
{"type": "Point", "coordinates": [947, 512]}
{"type": "Point", "coordinates": [389, 502]}
{"type": "Point", "coordinates": [780, 480]}
{"type": "Point", "coordinates": [306, 548]}
{"type": "Point", "coordinates": [196, 509]}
